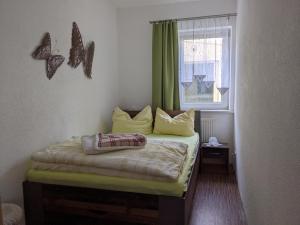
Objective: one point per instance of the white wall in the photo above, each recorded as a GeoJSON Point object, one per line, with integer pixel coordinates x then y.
{"type": "Point", "coordinates": [268, 110]}
{"type": "Point", "coordinates": [34, 111]}
{"type": "Point", "coordinates": [135, 56]}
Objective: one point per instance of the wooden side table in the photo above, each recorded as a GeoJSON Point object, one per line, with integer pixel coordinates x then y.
{"type": "Point", "coordinates": [216, 152]}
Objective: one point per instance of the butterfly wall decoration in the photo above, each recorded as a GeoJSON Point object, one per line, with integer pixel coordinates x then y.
{"type": "Point", "coordinates": [43, 52]}
{"type": "Point", "coordinates": [80, 54]}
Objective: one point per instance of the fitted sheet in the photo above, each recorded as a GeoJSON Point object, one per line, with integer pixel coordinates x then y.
{"type": "Point", "coordinates": [172, 188]}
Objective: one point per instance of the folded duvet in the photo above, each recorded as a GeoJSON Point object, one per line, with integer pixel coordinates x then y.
{"type": "Point", "coordinates": [102, 143]}
{"type": "Point", "coordinates": [158, 160]}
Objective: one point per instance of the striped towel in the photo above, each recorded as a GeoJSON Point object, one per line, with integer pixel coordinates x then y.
{"type": "Point", "coordinates": [101, 143]}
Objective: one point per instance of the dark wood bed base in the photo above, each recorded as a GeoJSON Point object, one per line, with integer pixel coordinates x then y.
{"type": "Point", "coordinates": [48, 204]}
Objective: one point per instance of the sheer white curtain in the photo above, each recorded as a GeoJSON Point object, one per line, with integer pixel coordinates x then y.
{"type": "Point", "coordinates": [205, 52]}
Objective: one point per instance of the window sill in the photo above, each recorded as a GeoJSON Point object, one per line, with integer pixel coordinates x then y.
{"type": "Point", "coordinates": [229, 111]}
{"type": "Point", "coordinates": [216, 111]}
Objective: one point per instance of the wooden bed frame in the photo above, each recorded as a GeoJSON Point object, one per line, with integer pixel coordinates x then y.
{"type": "Point", "coordinates": [48, 204]}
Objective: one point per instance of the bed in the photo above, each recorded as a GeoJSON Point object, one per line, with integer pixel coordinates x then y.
{"type": "Point", "coordinates": [56, 197]}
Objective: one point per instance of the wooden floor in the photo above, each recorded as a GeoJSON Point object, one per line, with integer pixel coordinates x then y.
{"type": "Point", "coordinates": [217, 200]}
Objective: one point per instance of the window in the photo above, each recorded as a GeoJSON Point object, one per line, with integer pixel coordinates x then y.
{"type": "Point", "coordinates": [205, 63]}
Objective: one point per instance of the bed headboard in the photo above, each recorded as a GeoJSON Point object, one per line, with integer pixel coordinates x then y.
{"type": "Point", "coordinates": [173, 113]}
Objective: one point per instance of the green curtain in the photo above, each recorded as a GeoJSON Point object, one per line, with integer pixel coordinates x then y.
{"type": "Point", "coordinates": [165, 88]}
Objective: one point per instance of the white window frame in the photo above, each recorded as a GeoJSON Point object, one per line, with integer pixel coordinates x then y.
{"type": "Point", "coordinates": [227, 102]}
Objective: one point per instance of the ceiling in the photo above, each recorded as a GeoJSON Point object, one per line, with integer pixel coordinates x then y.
{"type": "Point", "coordinates": [132, 3]}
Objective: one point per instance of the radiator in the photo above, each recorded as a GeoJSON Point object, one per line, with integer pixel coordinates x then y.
{"type": "Point", "coordinates": [207, 128]}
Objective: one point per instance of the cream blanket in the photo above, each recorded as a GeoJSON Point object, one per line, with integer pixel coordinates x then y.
{"type": "Point", "coordinates": [159, 160]}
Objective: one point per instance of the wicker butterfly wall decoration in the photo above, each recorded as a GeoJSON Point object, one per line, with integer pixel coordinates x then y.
{"type": "Point", "coordinates": [78, 54]}
{"type": "Point", "coordinates": [43, 52]}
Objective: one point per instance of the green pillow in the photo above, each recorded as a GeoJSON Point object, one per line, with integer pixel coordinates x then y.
{"type": "Point", "coordinates": [182, 124]}
{"type": "Point", "coordinates": [141, 123]}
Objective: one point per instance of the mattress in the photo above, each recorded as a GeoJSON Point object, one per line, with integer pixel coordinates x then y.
{"type": "Point", "coordinates": [169, 188]}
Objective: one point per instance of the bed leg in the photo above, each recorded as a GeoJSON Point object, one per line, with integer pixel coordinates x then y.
{"type": "Point", "coordinates": [171, 211]}
{"type": "Point", "coordinates": [33, 203]}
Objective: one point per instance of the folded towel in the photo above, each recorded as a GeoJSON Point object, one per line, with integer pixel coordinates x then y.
{"type": "Point", "coordinates": [102, 143]}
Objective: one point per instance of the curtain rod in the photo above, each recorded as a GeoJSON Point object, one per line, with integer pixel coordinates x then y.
{"type": "Point", "coordinates": [196, 18]}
